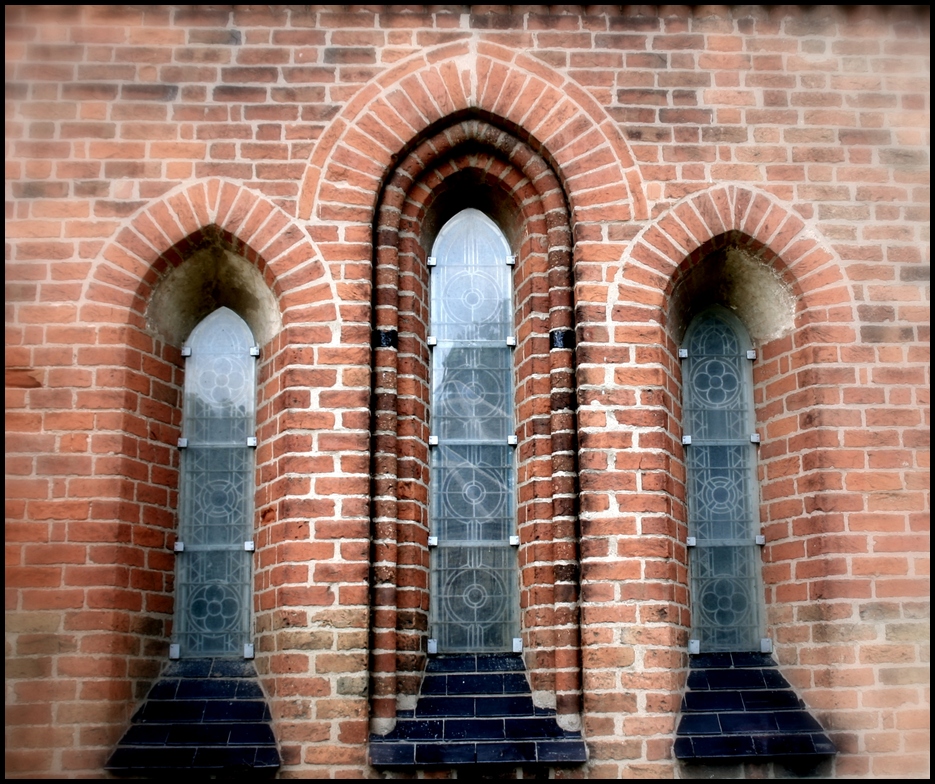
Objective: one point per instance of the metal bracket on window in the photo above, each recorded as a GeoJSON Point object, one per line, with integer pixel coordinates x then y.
{"type": "Point", "coordinates": [174, 651]}
{"type": "Point", "coordinates": [512, 440]}
{"type": "Point", "coordinates": [760, 539]}
{"type": "Point", "coordinates": [433, 541]}
{"type": "Point", "coordinates": [431, 261]}
{"type": "Point", "coordinates": [251, 440]}
{"type": "Point", "coordinates": [178, 547]}
{"type": "Point", "coordinates": [691, 541]}
{"type": "Point", "coordinates": [694, 646]}
{"type": "Point", "coordinates": [683, 353]}
{"type": "Point", "coordinates": [511, 260]}
{"type": "Point", "coordinates": [511, 340]}
{"type": "Point", "coordinates": [433, 440]}
{"type": "Point", "coordinates": [751, 353]}
{"type": "Point", "coordinates": [433, 647]}
{"type": "Point", "coordinates": [248, 650]}
{"type": "Point", "coordinates": [250, 547]}
{"type": "Point", "coordinates": [686, 439]}
{"type": "Point", "coordinates": [186, 351]}
{"type": "Point", "coordinates": [517, 645]}
{"type": "Point", "coordinates": [432, 340]}
{"type": "Point", "coordinates": [254, 351]}
{"type": "Point", "coordinates": [183, 443]}
{"type": "Point", "coordinates": [514, 541]}
{"type": "Point", "coordinates": [755, 438]}
{"type": "Point", "coordinates": [766, 645]}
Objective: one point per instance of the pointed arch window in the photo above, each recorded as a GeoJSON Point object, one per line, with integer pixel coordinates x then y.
{"type": "Point", "coordinates": [216, 494]}
{"type": "Point", "coordinates": [723, 508]}
{"type": "Point", "coordinates": [474, 581]}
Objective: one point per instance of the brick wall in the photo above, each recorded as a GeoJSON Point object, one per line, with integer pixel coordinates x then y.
{"type": "Point", "coordinates": [798, 136]}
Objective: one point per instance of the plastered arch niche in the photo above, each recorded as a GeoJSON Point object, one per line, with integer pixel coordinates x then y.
{"type": "Point", "coordinates": [741, 281]}
{"type": "Point", "coordinates": [213, 276]}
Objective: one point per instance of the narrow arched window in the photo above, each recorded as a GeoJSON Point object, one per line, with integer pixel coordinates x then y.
{"type": "Point", "coordinates": [474, 591]}
{"type": "Point", "coordinates": [723, 508]}
{"type": "Point", "coordinates": [216, 493]}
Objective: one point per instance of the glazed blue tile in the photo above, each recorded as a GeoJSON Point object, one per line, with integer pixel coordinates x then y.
{"type": "Point", "coordinates": [770, 699]}
{"type": "Point", "coordinates": [392, 754]}
{"type": "Point", "coordinates": [750, 659]}
{"type": "Point", "coordinates": [532, 728]}
{"type": "Point", "coordinates": [506, 752]}
{"type": "Point", "coordinates": [164, 689]}
{"type": "Point", "coordinates": [515, 683]}
{"type": "Point", "coordinates": [251, 735]}
{"type": "Point", "coordinates": [445, 706]}
{"type": "Point", "coordinates": [204, 689]}
{"type": "Point", "coordinates": [683, 748]}
{"type": "Point", "coordinates": [711, 701]}
{"type": "Point", "coordinates": [236, 710]}
{"type": "Point", "coordinates": [465, 663]}
{"type": "Point", "coordinates": [721, 746]}
{"type": "Point", "coordinates": [232, 668]}
{"type": "Point", "coordinates": [171, 711]}
{"type": "Point", "coordinates": [487, 683]}
{"type": "Point", "coordinates": [434, 684]}
{"type": "Point", "coordinates": [797, 721]}
{"type": "Point", "coordinates": [504, 706]}
{"type": "Point", "coordinates": [267, 757]}
{"type": "Point", "coordinates": [445, 753]}
{"type": "Point", "coordinates": [500, 662]}
{"type": "Point", "coordinates": [698, 680]}
{"type": "Point", "coordinates": [699, 724]}
{"type": "Point", "coordinates": [747, 723]}
{"type": "Point", "coordinates": [228, 757]}
{"type": "Point", "coordinates": [248, 688]}
{"type": "Point", "coordinates": [474, 729]}
{"type": "Point", "coordinates": [146, 735]}
{"type": "Point", "coordinates": [188, 668]}
{"type": "Point", "coordinates": [774, 680]}
{"type": "Point", "coordinates": [136, 759]}
{"type": "Point", "coordinates": [735, 679]}
{"type": "Point", "coordinates": [709, 660]}
{"type": "Point", "coordinates": [420, 729]}
{"type": "Point", "coordinates": [198, 735]}
{"type": "Point", "coordinates": [564, 751]}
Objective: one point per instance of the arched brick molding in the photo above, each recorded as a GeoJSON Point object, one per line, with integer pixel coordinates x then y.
{"type": "Point", "coordinates": [308, 477]}
{"type": "Point", "coordinates": [558, 119]}
{"type": "Point", "coordinates": [801, 376]}
{"type": "Point", "coordinates": [518, 188]}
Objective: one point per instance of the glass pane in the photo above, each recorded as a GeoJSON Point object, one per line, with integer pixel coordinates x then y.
{"type": "Point", "coordinates": [722, 488]}
{"type": "Point", "coordinates": [474, 582]}
{"type": "Point", "coordinates": [216, 494]}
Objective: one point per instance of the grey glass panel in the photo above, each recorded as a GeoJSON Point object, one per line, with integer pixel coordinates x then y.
{"type": "Point", "coordinates": [722, 488]}
{"type": "Point", "coordinates": [216, 493]}
{"type": "Point", "coordinates": [474, 582]}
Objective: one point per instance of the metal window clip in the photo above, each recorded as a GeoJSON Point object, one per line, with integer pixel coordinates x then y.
{"type": "Point", "coordinates": [432, 340]}
{"type": "Point", "coordinates": [686, 439]}
{"type": "Point", "coordinates": [250, 547]}
{"type": "Point", "coordinates": [186, 351]}
{"type": "Point", "coordinates": [431, 261]}
{"type": "Point", "coordinates": [683, 353]}
{"type": "Point", "coordinates": [183, 442]}
{"type": "Point", "coordinates": [178, 547]}
{"type": "Point", "coordinates": [433, 440]}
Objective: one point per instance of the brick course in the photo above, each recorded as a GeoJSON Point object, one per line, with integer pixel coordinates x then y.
{"type": "Point", "coordinates": [636, 145]}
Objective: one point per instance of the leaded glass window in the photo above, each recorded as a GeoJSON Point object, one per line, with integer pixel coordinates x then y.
{"type": "Point", "coordinates": [723, 510]}
{"type": "Point", "coordinates": [474, 594]}
{"type": "Point", "coordinates": [216, 493]}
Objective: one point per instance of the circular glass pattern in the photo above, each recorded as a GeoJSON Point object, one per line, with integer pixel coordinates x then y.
{"type": "Point", "coordinates": [222, 381]}
{"type": "Point", "coordinates": [473, 494]}
{"type": "Point", "coordinates": [721, 494]}
{"type": "Point", "coordinates": [472, 393]}
{"type": "Point", "coordinates": [472, 296]}
{"type": "Point", "coordinates": [475, 595]}
{"type": "Point", "coordinates": [214, 608]}
{"type": "Point", "coordinates": [715, 383]}
{"type": "Point", "coordinates": [725, 602]}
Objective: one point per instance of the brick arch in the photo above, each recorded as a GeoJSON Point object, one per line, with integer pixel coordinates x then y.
{"type": "Point", "coordinates": [553, 114]}
{"type": "Point", "coordinates": [539, 226]}
{"type": "Point", "coordinates": [158, 238]}
{"type": "Point", "coordinates": [135, 408]}
{"type": "Point", "coordinates": [680, 238]}
{"type": "Point", "coordinates": [798, 381]}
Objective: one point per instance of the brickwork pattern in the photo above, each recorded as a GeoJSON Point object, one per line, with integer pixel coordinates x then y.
{"type": "Point", "coordinates": [136, 134]}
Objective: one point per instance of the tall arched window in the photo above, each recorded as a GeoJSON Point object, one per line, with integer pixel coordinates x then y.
{"type": "Point", "coordinates": [723, 498]}
{"type": "Point", "coordinates": [215, 540]}
{"type": "Point", "coordinates": [474, 591]}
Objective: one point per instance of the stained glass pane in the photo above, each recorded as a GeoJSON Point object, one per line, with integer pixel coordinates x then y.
{"type": "Point", "coordinates": [474, 581]}
{"type": "Point", "coordinates": [722, 489]}
{"type": "Point", "coordinates": [216, 494]}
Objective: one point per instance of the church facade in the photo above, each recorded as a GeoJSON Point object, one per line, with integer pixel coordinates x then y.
{"type": "Point", "coordinates": [396, 390]}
